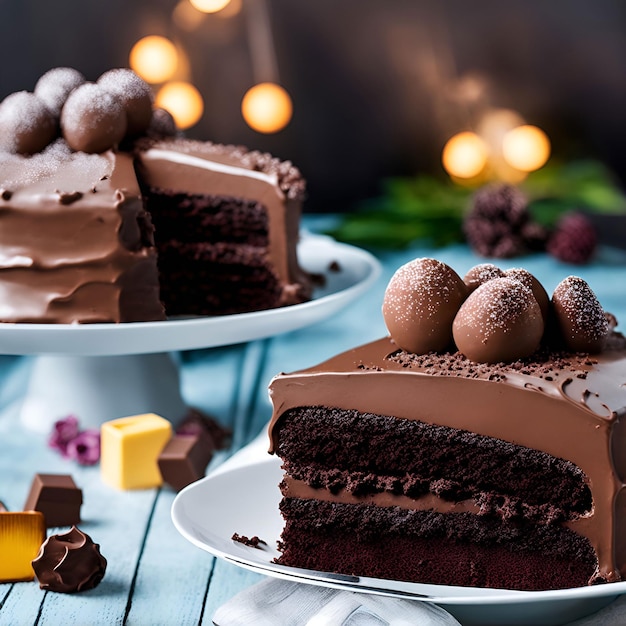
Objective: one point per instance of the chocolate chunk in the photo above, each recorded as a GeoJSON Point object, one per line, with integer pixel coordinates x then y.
{"type": "Point", "coordinates": [57, 497]}
{"type": "Point", "coordinates": [184, 460]}
{"type": "Point", "coordinates": [69, 562]}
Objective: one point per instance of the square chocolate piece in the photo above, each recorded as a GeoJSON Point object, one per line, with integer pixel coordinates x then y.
{"type": "Point", "coordinates": [57, 497]}
{"type": "Point", "coordinates": [184, 460]}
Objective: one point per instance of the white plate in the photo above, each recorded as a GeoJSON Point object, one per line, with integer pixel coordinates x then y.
{"type": "Point", "coordinates": [357, 272]}
{"type": "Point", "coordinates": [242, 497]}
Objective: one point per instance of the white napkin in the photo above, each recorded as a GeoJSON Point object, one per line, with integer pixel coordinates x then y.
{"type": "Point", "coordinates": [275, 602]}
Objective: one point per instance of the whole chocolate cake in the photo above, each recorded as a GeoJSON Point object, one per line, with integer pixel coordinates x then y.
{"type": "Point", "coordinates": [481, 444]}
{"type": "Point", "coordinates": [107, 215]}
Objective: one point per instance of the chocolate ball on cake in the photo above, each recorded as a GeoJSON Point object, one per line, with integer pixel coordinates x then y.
{"type": "Point", "coordinates": [480, 274]}
{"type": "Point", "coordinates": [93, 119]}
{"type": "Point", "coordinates": [579, 316]}
{"type": "Point", "coordinates": [26, 124]}
{"type": "Point", "coordinates": [55, 86]}
{"type": "Point", "coordinates": [162, 124]}
{"type": "Point", "coordinates": [527, 279]}
{"type": "Point", "coordinates": [500, 321]}
{"type": "Point", "coordinates": [135, 95]}
{"type": "Point", "coordinates": [420, 302]}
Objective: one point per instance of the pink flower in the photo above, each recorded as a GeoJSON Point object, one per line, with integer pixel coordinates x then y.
{"type": "Point", "coordinates": [85, 447]}
{"type": "Point", "coordinates": [64, 431]}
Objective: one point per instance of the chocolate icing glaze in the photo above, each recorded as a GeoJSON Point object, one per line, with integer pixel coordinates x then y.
{"type": "Point", "coordinates": [571, 406]}
{"type": "Point", "coordinates": [75, 242]}
{"type": "Point", "coordinates": [69, 562]}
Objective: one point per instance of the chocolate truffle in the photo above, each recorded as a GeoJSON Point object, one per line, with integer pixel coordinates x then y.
{"type": "Point", "coordinates": [580, 318]}
{"type": "Point", "coordinates": [541, 295]}
{"type": "Point", "coordinates": [420, 302]}
{"type": "Point", "coordinates": [480, 274]}
{"type": "Point", "coordinates": [93, 119]}
{"type": "Point", "coordinates": [500, 321]}
{"type": "Point", "coordinates": [55, 86]}
{"type": "Point", "coordinates": [57, 497]}
{"type": "Point", "coordinates": [135, 95]}
{"type": "Point", "coordinates": [69, 562]}
{"type": "Point", "coordinates": [26, 124]}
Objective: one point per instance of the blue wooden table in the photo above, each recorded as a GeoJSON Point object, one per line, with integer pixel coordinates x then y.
{"type": "Point", "coordinates": [154, 576]}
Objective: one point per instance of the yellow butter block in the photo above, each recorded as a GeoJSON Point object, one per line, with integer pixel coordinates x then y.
{"type": "Point", "coordinates": [130, 448]}
{"type": "Point", "coordinates": [21, 536]}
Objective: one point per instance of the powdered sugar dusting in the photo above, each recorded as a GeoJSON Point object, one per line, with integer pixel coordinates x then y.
{"type": "Point", "coordinates": [125, 84]}
{"type": "Point", "coordinates": [20, 112]}
{"type": "Point", "coordinates": [497, 303]}
{"type": "Point", "coordinates": [89, 105]}
{"type": "Point", "coordinates": [582, 307]}
{"type": "Point", "coordinates": [55, 86]}
{"type": "Point", "coordinates": [482, 273]}
{"type": "Point", "coordinates": [18, 171]}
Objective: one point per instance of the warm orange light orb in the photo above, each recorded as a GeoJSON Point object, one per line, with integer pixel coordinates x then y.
{"type": "Point", "coordinates": [267, 108]}
{"type": "Point", "coordinates": [464, 155]}
{"type": "Point", "coordinates": [183, 101]}
{"type": "Point", "coordinates": [209, 6]}
{"type": "Point", "coordinates": [154, 58]}
{"type": "Point", "coordinates": [526, 148]}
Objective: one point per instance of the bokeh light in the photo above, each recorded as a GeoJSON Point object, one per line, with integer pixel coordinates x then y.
{"type": "Point", "coordinates": [267, 108]}
{"type": "Point", "coordinates": [186, 17]}
{"type": "Point", "coordinates": [154, 58]}
{"type": "Point", "coordinates": [526, 148]}
{"type": "Point", "coordinates": [209, 6]}
{"type": "Point", "coordinates": [464, 155]}
{"type": "Point", "coordinates": [183, 101]}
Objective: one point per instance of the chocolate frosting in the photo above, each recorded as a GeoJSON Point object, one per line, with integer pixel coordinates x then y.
{"type": "Point", "coordinates": [75, 243]}
{"type": "Point", "coordinates": [571, 406]}
{"type": "Point", "coordinates": [69, 562]}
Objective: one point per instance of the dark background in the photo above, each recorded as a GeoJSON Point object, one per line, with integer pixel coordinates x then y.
{"type": "Point", "coordinates": [378, 85]}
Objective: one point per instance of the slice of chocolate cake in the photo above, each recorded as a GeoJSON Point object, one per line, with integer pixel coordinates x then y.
{"type": "Point", "coordinates": [226, 224]}
{"type": "Point", "coordinates": [438, 468]}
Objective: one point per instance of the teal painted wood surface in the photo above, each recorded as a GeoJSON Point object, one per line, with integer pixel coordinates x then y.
{"type": "Point", "coordinates": [155, 576]}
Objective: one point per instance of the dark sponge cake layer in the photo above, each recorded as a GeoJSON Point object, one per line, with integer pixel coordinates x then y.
{"type": "Point", "coordinates": [213, 257]}
{"type": "Point", "coordinates": [425, 546]}
{"type": "Point", "coordinates": [365, 453]}
{"type": "Point", "coordinates": [207, 218]}
{"type": "Point", "coordinates": [215, 279]}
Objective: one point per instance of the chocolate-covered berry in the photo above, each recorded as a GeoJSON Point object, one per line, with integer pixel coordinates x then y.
{"type": "Point", "coordinates": [499, 321]}
{"type": "Point", "coordinates": [579, 316]}
{"type": "Point", "coordinates": [135, 95]}
{"type": "Point", "coordinates": [26, 124]}
{"type": "Point", "coordinates": [93, 119]}
{"type": "Point", "coordinates": [420, 303]}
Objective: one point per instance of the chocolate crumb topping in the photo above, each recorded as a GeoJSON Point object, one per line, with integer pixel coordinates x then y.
{"type": "Point", "coordinates": [252, 542]}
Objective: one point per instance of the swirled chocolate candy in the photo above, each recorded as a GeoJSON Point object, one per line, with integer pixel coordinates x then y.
{"type": "Point", "coordinates": [69, 562]}
{"type": "Point", "coordinates": [420, 302]}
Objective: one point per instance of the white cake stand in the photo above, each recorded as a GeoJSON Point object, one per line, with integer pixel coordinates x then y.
{"type": "Point", "coordinates": [100, 372]}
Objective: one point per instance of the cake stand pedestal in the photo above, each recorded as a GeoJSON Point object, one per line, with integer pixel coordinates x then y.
{"type": "Point", "coordinates": [98, 389]}
{"type": "Point", "coordinates": [99, 372]}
